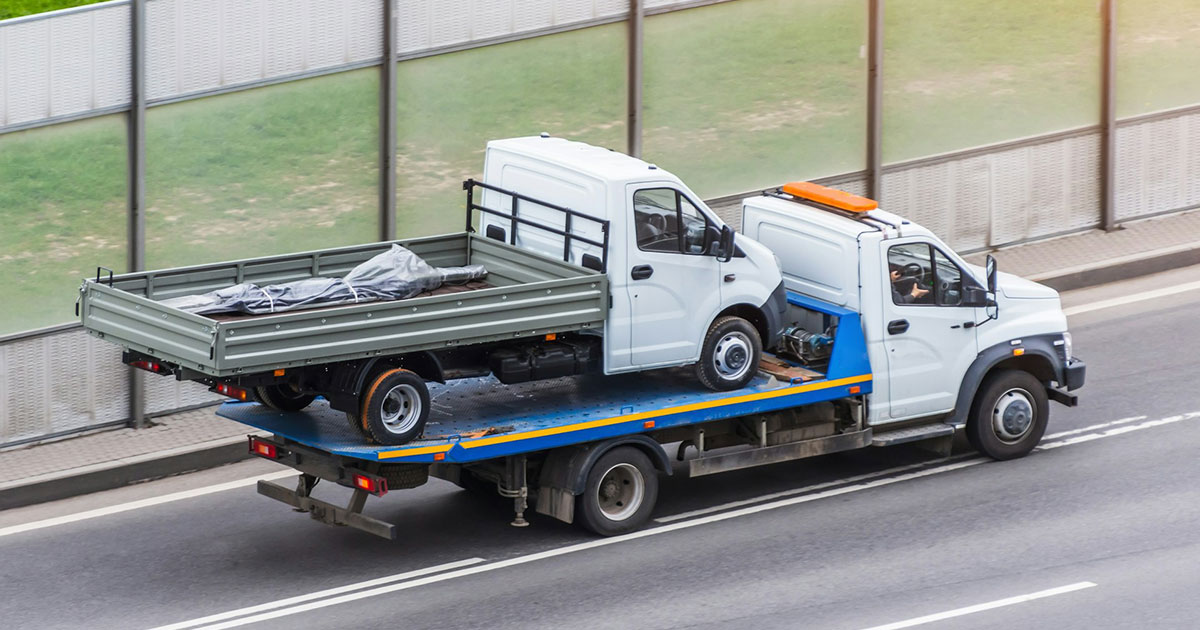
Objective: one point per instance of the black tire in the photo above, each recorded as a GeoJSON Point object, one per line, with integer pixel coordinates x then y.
{"type": "Point", "coordinates": [395, 407]}
{"type": "Point", "coordinates": [355, 421]}
{"type": "Point", "coordinates": [282, 397]}
{"type": "Point", "coordinates": [1009, 415]}
{"type": "Point", "coordinates": [729, 357]}
{"type": "Point", "coordinates": [621, 489]}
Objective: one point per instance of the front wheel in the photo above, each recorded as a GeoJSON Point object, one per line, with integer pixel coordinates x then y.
{"type": "Point", "coordinates": [729, 357]}
{"type": "Point", "coordinates": [395, 407]}
{"type": "Point", "coordinates": [620, 492]}
{"type": "Point", "coordinates": [1009, 415]}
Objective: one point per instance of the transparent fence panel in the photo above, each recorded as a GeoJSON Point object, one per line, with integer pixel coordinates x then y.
{"type": "Point", "coordinates": [266, 171]}
{"type": "Point", "coordinates": [1158, 55]}
{"type": "Point", "coordinates": [571, 85]}
{"type": "Point", "coordinates": [750, 94]}
{"type": "Point", "coordinates": [973, 72]}
{"type": "Point", "coordinates": [62, 213]}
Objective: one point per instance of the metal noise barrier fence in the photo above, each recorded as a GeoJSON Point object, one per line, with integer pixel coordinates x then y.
{"type": "Point", "coordinates": [76, 63]}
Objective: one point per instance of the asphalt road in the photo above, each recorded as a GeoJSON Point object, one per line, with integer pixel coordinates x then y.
{"type": "Point", "coordinates": [1111, 512]}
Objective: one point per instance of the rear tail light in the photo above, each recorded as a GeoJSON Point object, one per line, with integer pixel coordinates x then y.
{"type": "Point", "coordinates": [263, 449]}
{"type": "Point", "coordinates": [375, 485]}
{"type": "Point", "coordinates": [225, 389]}
{"type": "Point", "coordinates": [151, 366]}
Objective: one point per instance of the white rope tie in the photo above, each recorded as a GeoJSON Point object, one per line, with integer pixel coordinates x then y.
{"type": "Point", "coordinates": [352, 291]}
{"type": "Point", "coordinates": [270, 299]}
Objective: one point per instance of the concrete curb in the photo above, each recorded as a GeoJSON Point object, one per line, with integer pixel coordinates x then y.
{"type": "Point", "coordinates": [1121, 268]}
{"type": "Point", "coordinates": [122, 472]}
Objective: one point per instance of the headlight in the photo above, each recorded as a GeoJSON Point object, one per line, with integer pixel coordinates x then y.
{"type": "Point", "coordinates": [1067, 349]}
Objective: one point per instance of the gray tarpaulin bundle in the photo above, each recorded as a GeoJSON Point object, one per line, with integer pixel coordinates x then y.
{"type": "Point", "coordinates": [393, 275]}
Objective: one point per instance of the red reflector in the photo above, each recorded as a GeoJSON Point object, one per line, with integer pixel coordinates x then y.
{"type": "Point", "coordinates": [263, 449]}
{"type": "Point", "coordinates": [373, 485]}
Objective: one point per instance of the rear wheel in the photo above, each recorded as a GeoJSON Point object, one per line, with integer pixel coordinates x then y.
{"type": "Point", "coordinates": [1009, 415]}
{"type": "Point", "coordinates": [729, 358]}
{"type": "Point", "coordinates": [395, 407]}
{"type": "Point", "coordinates": [620, 492]}
{"type": "Point", "coordinates": [282, 397]}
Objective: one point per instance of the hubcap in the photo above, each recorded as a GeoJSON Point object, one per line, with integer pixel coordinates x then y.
{"type": "Point", "coordinates": [731, 357]}
{"type": "Point", "coordinates": [1012, 417]}
{"type": "Point", "coordinates": [401, 408]}
{"type": "Point", "coordinates": [621, 491]}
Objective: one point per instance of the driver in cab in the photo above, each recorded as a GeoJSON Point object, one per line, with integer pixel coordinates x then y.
{"type": "Point", "coordinates": [899, 296]}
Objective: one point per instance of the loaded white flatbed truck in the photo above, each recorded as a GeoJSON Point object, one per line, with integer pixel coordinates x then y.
{"type": "Point", "coordinates": [888, 337]}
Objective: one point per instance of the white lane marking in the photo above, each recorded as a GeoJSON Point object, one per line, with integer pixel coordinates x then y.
{"type": "Point", "coordinates": [134, 505]}
{"type": "Point", "coordinates": [319, 594]}
{"type": "Point", "coordinates": [1131, 298]}
{"type": "Point", "coordinates": [1118, 431]}
{"type": "Point", "coordinates": [866, 476]}
{"type": "Point", "coordinates": [794, 491]}
{"type": "Point", "coordinates": [1054, 436]}
{"type": "Point", "coordinates": [604, 542]}
{"type": "Point", "coordinates": [999, 603]}
{"type": "Point", "coordinates": [592, 544]}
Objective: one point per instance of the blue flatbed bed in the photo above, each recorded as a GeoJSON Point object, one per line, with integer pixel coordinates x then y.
{"type": "Point", "coordinates": [478, 419]}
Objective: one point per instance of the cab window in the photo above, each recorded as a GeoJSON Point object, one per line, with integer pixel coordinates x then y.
{"type": "Point", "coordinates": [921, 274]}
{"type": "Point", "coordinates": [666, 221]}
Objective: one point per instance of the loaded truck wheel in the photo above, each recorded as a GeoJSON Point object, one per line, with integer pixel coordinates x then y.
{"type": "Point", "coordinates": [282, 397]}
{"type": "Point", "coordinates": [395, 407]}
{"type": "Point", "coordinates": [620, 492]}
{"type": "Point", "coordinates": [356, 424]}
{"type": "Point", "coordinates": [729, 358]}
{"type": "Point", "coordinates": [1009, 415]}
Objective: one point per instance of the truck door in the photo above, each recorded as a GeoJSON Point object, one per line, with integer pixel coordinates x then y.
{"type": "Point", "coordinates": [673, 283]}
{"type": "Point", "coordinates": [928, 346]}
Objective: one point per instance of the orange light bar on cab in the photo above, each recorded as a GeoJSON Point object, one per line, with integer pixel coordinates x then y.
{"type": "Point", "coordinates": [839, 199]}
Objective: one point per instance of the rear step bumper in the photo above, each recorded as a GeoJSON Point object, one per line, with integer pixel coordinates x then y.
{"type": "Point", "coordinates": [350, 516]}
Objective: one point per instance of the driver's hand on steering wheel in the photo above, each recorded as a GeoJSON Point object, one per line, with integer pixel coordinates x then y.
{"type": "Point", "coordinates": [917, 292]}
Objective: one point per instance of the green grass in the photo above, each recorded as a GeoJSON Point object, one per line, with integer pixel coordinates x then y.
{"type": "Point", "coordinates": [17, 8]}
{"type": "Point", "coordinates": [737, 96]}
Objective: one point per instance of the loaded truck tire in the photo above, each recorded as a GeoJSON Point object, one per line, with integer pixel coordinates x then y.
{"type": "Point", "coordinates": [282, 397]}
{"type": "Point", "coordinates": [619, 494]}
{"type": "Point", "coordinates": [1009, 415]}
{"type": "Point", "coordinates": [395, 407]}
{"type": "Point", "coordinates": [729, 357]}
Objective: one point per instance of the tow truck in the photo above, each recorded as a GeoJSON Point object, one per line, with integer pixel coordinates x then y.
{"type": "Point", "coordinates": [879, 335]}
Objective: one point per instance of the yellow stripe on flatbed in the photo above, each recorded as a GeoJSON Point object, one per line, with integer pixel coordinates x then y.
{"type": "Point", "coordinates": [633, 417]}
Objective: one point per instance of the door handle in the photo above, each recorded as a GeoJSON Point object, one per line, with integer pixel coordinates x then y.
{"type": "Point", "coordinates": [897, 326]}
{"type": "Point", "coordinates": [641, 272]}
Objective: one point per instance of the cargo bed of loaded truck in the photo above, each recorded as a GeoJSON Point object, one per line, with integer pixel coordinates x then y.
{"type": "Point", "coordinates": [285, 359]}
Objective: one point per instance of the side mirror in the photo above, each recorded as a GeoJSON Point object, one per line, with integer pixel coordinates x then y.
{"type": "Point", "coordinates": [990, 269]}
{"type": "Point", "coordinates": [725, 249]}
{"type": "Point", "coordinates": [974, 296]}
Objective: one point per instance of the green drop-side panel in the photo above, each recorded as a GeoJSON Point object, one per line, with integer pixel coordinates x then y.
{"type": "Point", "coordinates": [532, 295]}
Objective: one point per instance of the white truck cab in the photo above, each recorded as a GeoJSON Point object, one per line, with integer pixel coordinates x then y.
{"type": "Point", "coordinates": [941, 334]}
{"type": "Point", "coordinates": [682, 292]}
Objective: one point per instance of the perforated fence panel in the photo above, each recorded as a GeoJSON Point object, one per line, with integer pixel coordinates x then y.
{"type": "Point", "coordinates": [1012, 193]}
{"type": "Point", "coordinates": [1158, 164]}
{"type": "Point", "coordinates": [58, 383]}
{"type": "Point", "coordinates": [64, 65]}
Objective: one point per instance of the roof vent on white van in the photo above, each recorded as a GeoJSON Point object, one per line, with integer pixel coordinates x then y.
{"type": "Point", "coordinates": [544, 134]}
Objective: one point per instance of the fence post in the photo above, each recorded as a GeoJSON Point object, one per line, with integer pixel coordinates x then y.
{"type": "Point", "coordinates": [136, 154]}
{"type": "Point", "coordinates": [874, 99]}
{"type": "Point", "coordinates": [633, 119]}
{"type": "Point", "coordinates": [387, 126]}
{"type": "Point", "coordinates": [1108, 115]}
